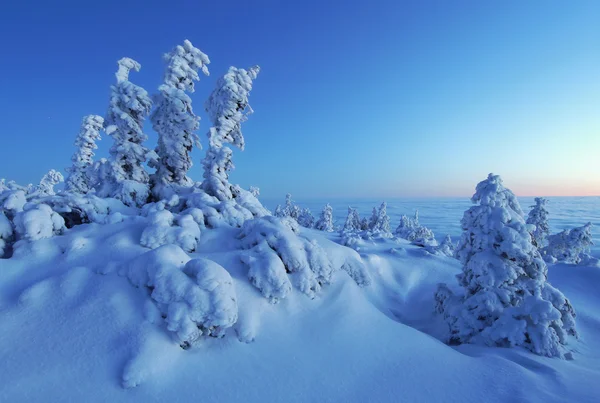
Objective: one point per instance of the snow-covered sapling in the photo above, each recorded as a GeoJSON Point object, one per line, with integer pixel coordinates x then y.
{"type": "Point", "coordinates": [380, 221]}
{"type": "Point", "coordinates": [174, 119]}
{"type": "Point", "coordinates": [352, 223]}
{"type": "Point", "coordinates": [325, 221]}
{"type": "Point", "coordinates": [129, 104]}
{"type": "Point", "coordinates": [506, 299]}
{"type": "Point", "coordinates": [306, 219]}
{"type": "Point", "coordinates": [47, 183]}
{"type": "Point", "coordinates": [570, 246]}
{"type": "Point", "coordinates": [78, 180]}
{"type": "Point", "coordinates": [538, 217]}
{"type": "Point", "coordinates": [227, 108]}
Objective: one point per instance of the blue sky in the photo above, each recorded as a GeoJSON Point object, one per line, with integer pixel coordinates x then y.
{"type": "Point", "coordinates": [354, 99]}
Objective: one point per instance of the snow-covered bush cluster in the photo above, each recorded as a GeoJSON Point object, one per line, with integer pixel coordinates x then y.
{"type": "Point", "coordinates": [571, 246]}
{"type": "Point", "coordinates": [356, 229]}
{"type": "Point", "coordinates": [411, 230]}
{"type": "Point", "coordinates": [280, 257]}
{"type": "Point", "coordinates": [505, 299]}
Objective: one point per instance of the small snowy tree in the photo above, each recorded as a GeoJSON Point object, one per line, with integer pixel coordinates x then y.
{"type": "Point", "coordinates": [507, 300]}
{"type": "Point", "coordinates": [380, 222]}
{"type": "Point", "coordinates": [571, 245]}
{"type": "Point", "coordinates": [254, 190]}
{"type": "Point", "coordinates": [538, 216]}
{"type": "Point", "coordinates": [290, 209]}
{"type": "Point", "coordinates": [46, 186]}
{"type": "Point", "coordinates": [128, 107]}
{"type": "Point", "coordinates": [78, 180]}
{"type": "Point", "coordinates": [306, 219]}
{"type": "Point", "coordinates": [174, 119]}
{"type": "Point", "coordinates": [352, 223]}
{"type": "Point", "coordinates": [447, 247]}
{"type": "Point", "coordinates": [227, 108]}
{"type": "Point", "coordinates": [325, 222]}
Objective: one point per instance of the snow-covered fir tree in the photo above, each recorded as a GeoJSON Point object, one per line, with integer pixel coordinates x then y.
{"type": "Point", "coordinates": [128, 107]}
{"type": "Point", "coordinates": [47, 183]}
{"type": "Point", "coordinates": [380, 222]}
{"type": "Point", "coordinates": [306, 219]}
{"type": "Point", "coordinates": [570, 246]}
{"type": "Point", "coordinates": [174, 119]}
{"type": "Point", "coordinates": [78, 180]}
{"type": "Point", "coordinates": [538, 216]}
{"type": "Point", "coordinates": [325, 221]}
{"type": "Point", "coordinates": [507, 300]}
{"type": "Point", "coordinates": [352, 223]}
{"type": "Point", "coordinates": [447, 247]}
{"type": "Point", "coordinates": [227, 108]}
{"type": "Point", "coordinates": [289, 209]}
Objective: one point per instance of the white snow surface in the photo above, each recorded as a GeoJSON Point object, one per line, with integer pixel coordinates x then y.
{"type": "Point", "coordinates": [79, 320]}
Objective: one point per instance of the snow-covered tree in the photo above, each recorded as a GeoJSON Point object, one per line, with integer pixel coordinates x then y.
{"type": "Point", "coordinates": [411, 230]}
{"type": "Point", "coordinates": [306, 219]}
{"type": "Point", "coordinates": [538, 216]}
{"type": "Point", "coordinates": [352, 223]}
{"type": "Point", "coordinates": [46, 186]}
{"type": "Point", "coordinates": [227, 108]}
{"type": "Point", "coordinates": [325, 222]}
{"type": "Point", "coordinates": [254, 190]}
{"type": "Point", "coordinates": [571, 245]}
{"type": "Point", "coordinates": [290, 209]}
{"type": "Point", "coordinates": [174, 119]}
{"type": "Point", "coordinates": [447, 247]}
{"type": "Point", "coordinates": [380, 222]}
{"type": "Point", "coordinates": [128, 107]}
{"type": "Point", "coordinates": [507, 300]}
{"type": "Point", "coordinates": [78, 180]}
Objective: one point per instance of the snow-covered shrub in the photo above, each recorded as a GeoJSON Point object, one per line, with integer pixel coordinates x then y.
{"type": "Point", "coordinates": [411, 230]}
{"type": "Point", "coordinates": [38, 221]}
{"type": "Point", "coordinates": [254, 190]}
{"type": "Point", "coordinates": [13, 201]}
{"type": "Point", "coordinates": [289, 209]}
{"type": "Point", "coordinates": [507, 300]}
{"type": "Point", "coordinates": [78, 180]}
{"type": "Point", "coordinates": [174, 119]}
{"type": "Point", "coordinates": [196, 297]}
{"type": "Point", "coordinates": [165, 228]}
{"type": "Point", "coordinates": [227, 108]}
{"type": "Point", "coordinates": [306, 219]}
{"type": "Point", "coordinates": [446, 248]}
{"type": "Point", "coordinates": [47, 183]}
{"type": "Point", "coordinates": [570, 246]}
{"type": "Point", "coordinates": [538, 216]}
{"type": "Point", "coordinates": [6, 234]}
{"type": "Point", "coordinates": [127, 179]}
{"type": "Point", "coordinates": [325, 221]}
{"type": "Point", "coordinates": [78, 209]}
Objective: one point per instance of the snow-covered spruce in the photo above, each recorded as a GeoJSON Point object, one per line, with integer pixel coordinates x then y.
{"type": "Point", "coordinates": [195, 297]}
{"type": "Point", "coordinates": [507, 300]}
{"type": "Point", "coordinates": [571, 246]}
{"type": "Point", "coordinates": [227, 108]}
{"type": "Point", "coordinates": [446, 248]}
{"type": "Point", "coordinates": [166, 228]}
{"type": "Point", "coordinates": [174, 119]}
{"type": "Point", "coordinates": [127, 179]}
{"type": "Point", "coordinates": [538, 216]}
{"type": "Point", "coordinates": [380, 222]}
{"type": "Point", "coordinates": [325, 221]}
{"type": "Point", "coordinates": [306, 219]}
{"type": "Point", "coordinates": [79, 180]}
{"type": "Point", "coordinates": [289, 209]}
{"type": "Point", "coordinates": [352, 223]}
{"type": "Point", "coordinates": [47, 183]}
{"type": "Point", "coordinates": [280, 256]}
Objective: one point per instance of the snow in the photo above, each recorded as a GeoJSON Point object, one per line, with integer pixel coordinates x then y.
{"type": "Point", "coordinates": [72, 328]}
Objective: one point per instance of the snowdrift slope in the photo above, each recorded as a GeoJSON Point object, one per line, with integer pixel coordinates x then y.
{"type": "Point", "coordinates": [73, 329]}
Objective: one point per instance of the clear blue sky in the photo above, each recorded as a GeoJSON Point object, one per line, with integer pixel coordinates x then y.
{"type": "Point", "coordinates": [355, 99]}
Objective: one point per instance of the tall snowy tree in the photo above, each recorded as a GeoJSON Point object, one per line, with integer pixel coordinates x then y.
{"type": "Point", "coordinates": [538, 216]}
{"type": "Point", "coordinates": [78, 180]}
{"type": "Point", "coordinates": [128, 107]}
{"type": "Point", "coordinates": [227, 108]}
{"type": "Point", "coordinates": [352, 223]}
{"type": "Point", "coordinates": [47, 183]}
{"type": "Point", "coordinates": [325, 222]}
{"type": "Point", "coordinates": [507, 300]}
{"type": "Point", "coordinates": [174, 119]}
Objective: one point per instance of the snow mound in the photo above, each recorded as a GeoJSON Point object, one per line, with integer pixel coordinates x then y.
{"type": "Point", "coordinates": [166, 228]}
{"type": "Point", "coordinates": [195, 297]}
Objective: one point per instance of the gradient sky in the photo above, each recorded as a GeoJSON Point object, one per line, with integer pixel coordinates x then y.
{"type": "Point", "coordinates": [354, 99]}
